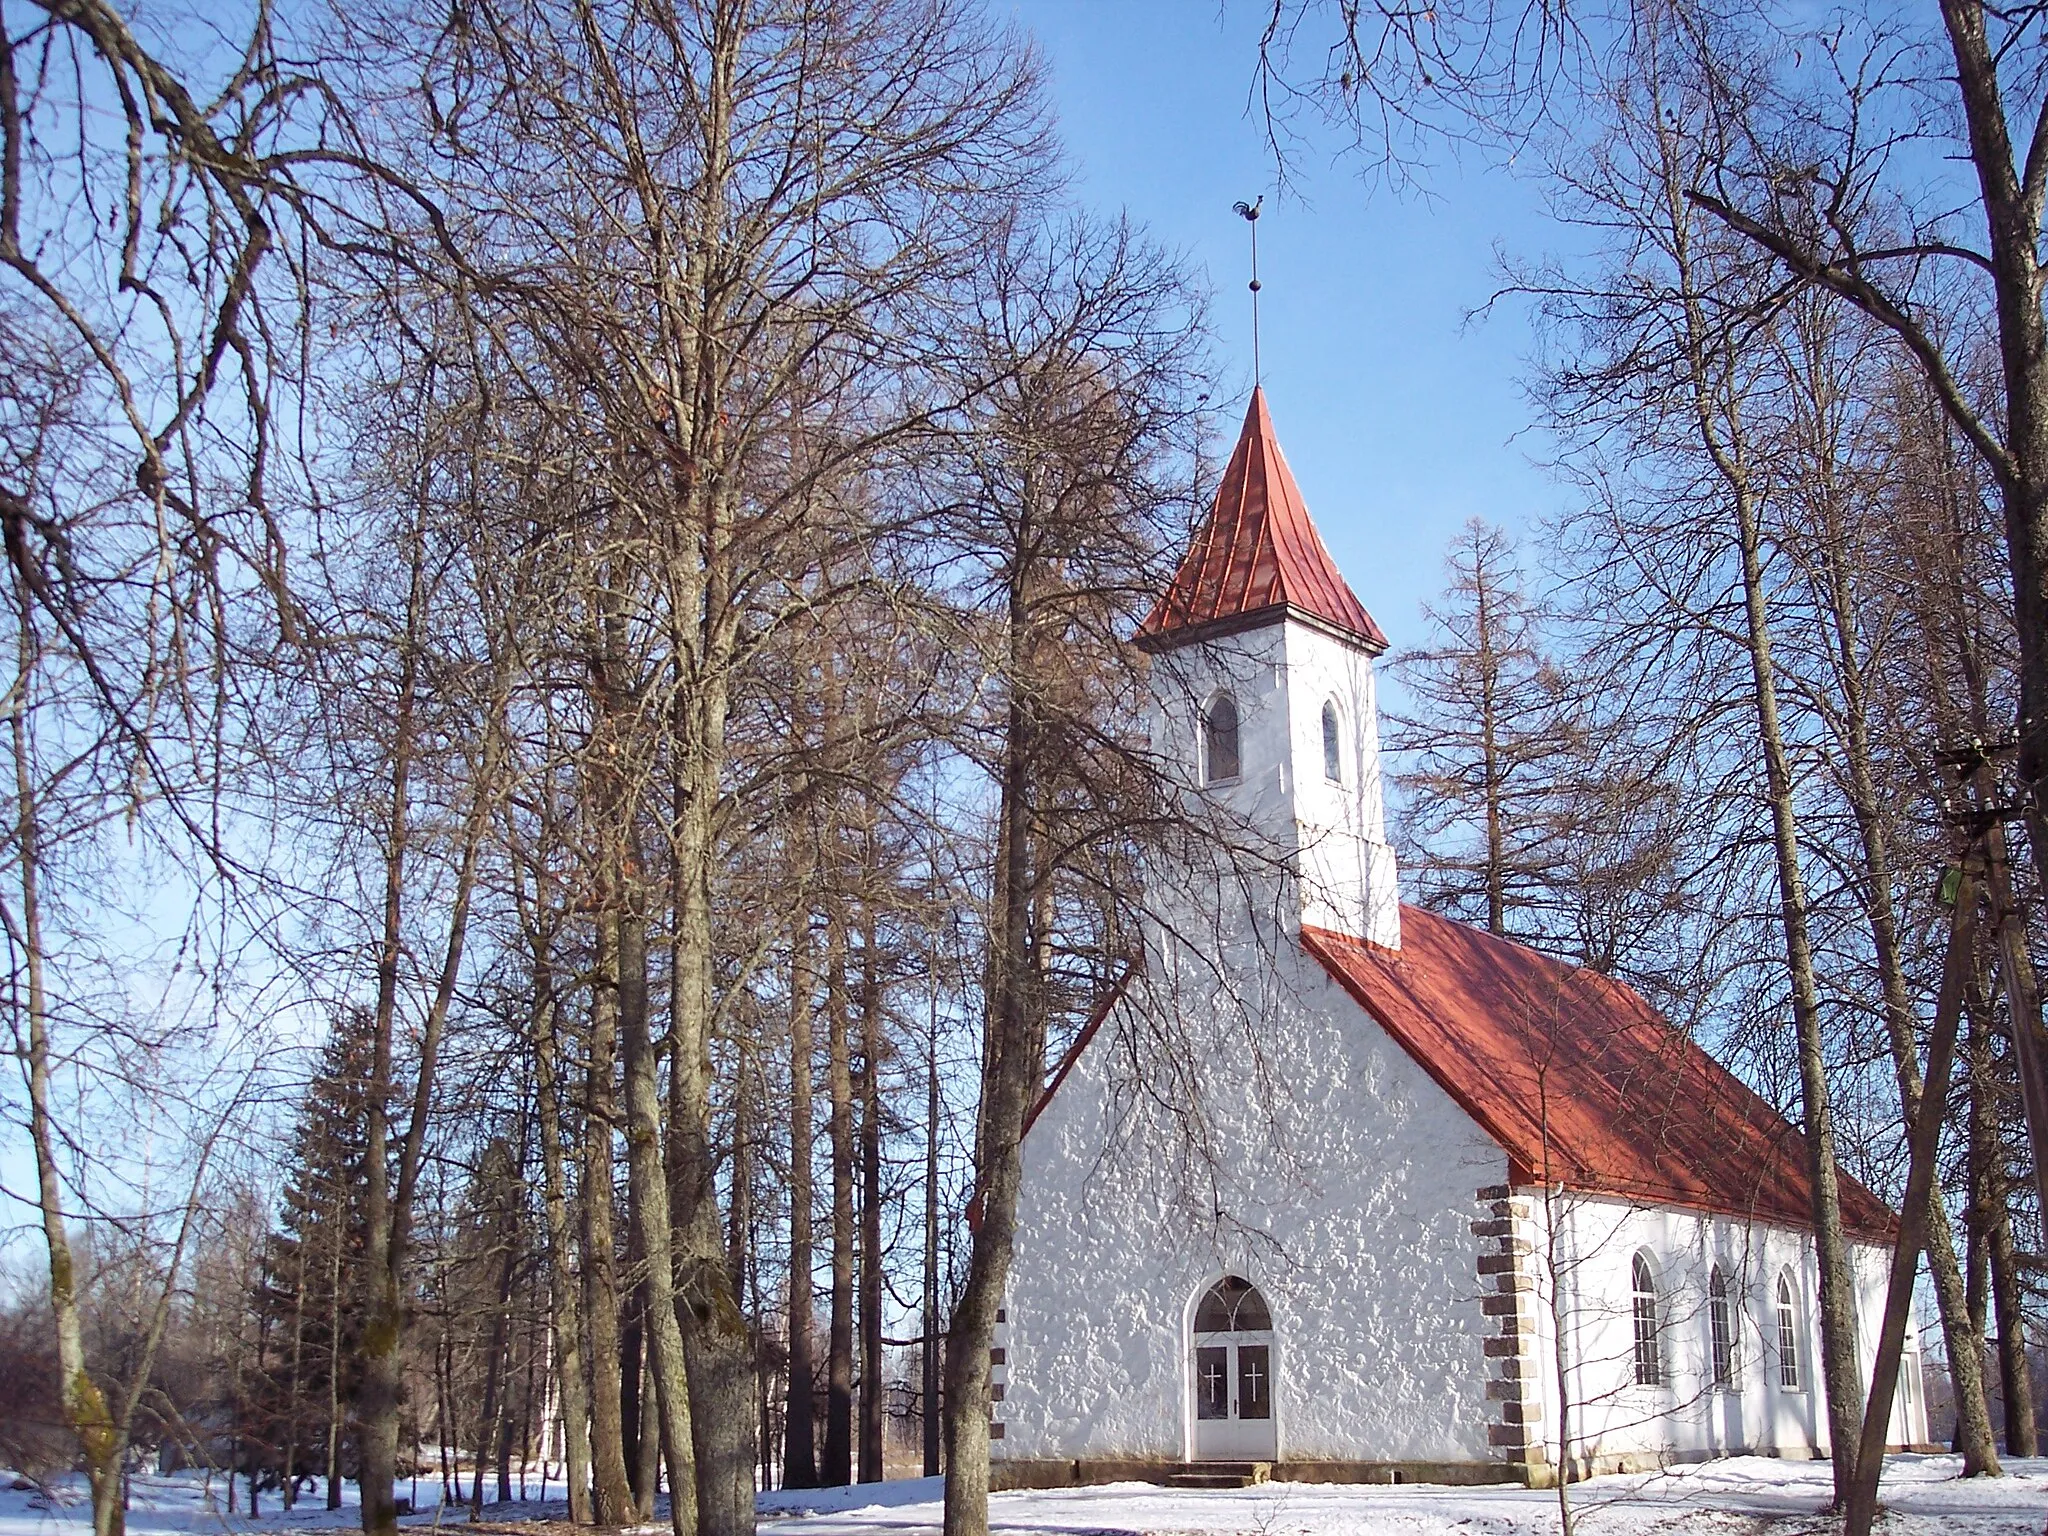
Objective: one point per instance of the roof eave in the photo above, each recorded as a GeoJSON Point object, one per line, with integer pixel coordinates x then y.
{"type": "Point", "coordinates": [1224, 625]}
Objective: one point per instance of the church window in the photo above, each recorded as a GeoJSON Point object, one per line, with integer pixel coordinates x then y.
{"type": "Point", "coordinates": [1333, 749]}
{"type": "Point", "coordinates": [1233, 1305]}
{"type": "Point", "coordinates": [1788, 1336]}
{"type": "Point", "coordinates": [1718, 1326]}
{"type": "Point", "coordinates": [1649, 1358]}
{"type": "Point", "coordinates": [1219, 740]}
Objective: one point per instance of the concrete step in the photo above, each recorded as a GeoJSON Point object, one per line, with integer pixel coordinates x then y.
{"type": "Point", "coordinates": [1220, 1474]}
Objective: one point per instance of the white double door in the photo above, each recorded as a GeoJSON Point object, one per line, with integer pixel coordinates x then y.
{"type": "Point", "coordinates": [1233, 1393]}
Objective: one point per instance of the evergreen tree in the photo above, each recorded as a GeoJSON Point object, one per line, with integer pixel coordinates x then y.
{"type": "Point", "coordinates": [307, 1291]}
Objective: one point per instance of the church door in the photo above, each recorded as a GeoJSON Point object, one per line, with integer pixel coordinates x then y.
{"type": "Point", "coordinates": [1232, 1374]}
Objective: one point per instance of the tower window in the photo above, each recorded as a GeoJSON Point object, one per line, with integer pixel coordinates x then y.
{"type": "Point", "coordinates": [1333, 746]}
{"type": "Point", "coordinates": [1718, 1324]}
{"type": "Point", "coordinates": [1219, 740]}
{"type": "Point", "coordinates": [1649, 1357]}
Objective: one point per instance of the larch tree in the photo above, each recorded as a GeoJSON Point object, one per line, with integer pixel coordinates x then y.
{"type": "Point", "coordinates": [709, 273]}
{"type": "Point", "coordinates": [1809, 174]}
{"type": "Point", "coordinates": [1482, 733]}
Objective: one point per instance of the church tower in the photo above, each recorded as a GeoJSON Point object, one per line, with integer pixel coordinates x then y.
{"type": "Point", "coordinates": [1263, 689]}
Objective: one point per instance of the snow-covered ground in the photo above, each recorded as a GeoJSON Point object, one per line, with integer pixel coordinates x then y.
{"type": "Point", "coordinates": [1748, 1496]}
{"type": "Point", "coordinates": [1744, 1495]}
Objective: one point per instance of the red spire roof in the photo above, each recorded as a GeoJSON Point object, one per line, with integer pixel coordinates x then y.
{"type": "Point", "coordinates": [1258, 557]}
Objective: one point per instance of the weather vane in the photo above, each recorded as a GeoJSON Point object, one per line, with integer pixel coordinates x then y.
{"type": "Point", "coordinates": [1249, 212]}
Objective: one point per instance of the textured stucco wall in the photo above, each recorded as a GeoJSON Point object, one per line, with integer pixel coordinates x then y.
{"type": "Point", "coordinates": [1241, 1114]}
{"type": "Point", "coordinates": [1343, 1185]}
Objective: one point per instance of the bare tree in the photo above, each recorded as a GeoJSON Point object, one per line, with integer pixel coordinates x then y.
{"type": "Point", "coordinates": [1808, 174]}
{"type": "Point", "coordinates": [1055, 499]}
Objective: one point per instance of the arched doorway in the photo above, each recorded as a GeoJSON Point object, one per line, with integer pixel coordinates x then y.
{"type": "Point", "coordinates": [1231, 1374]}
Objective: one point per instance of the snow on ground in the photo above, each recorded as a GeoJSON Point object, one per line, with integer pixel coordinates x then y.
{"type": "Point", "coordinates": [1745, 1496]}
{"type": "Point", "coordinates": [1742, 1495]}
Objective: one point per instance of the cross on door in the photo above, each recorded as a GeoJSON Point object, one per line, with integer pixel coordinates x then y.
{"type": "Point", "coordinates": [1253, 1376]}
{"type": "Point", "coordinates": [1212, 1381]}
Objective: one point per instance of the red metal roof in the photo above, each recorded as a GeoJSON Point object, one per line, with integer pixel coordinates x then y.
{"type": "Point", "coordinates": [1536, 1050]}
{"type": "Point", "coordinates": [1257, 557]}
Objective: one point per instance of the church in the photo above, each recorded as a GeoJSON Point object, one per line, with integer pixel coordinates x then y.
{"type": "Point", "coordinates": [1337, 1189]}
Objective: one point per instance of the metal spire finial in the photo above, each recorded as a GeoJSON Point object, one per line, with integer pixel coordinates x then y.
{"type": "Point", "coordinates": [1249, 212]}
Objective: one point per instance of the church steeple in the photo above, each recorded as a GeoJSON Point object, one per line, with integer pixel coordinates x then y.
{"type": "Point", "coordinates": [1258, 558]}
{"type": "Point", "coordinates": [1264, 689]}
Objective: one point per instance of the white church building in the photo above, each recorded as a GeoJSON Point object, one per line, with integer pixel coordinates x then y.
{"type": "Point", "coordinates": [1341, 1190]}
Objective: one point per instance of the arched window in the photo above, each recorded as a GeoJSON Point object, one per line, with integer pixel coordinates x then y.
{"type": "Point", "coordinates": [1219, 740]}
{"type": "Point", "coordinates": [1788, 1336]}
{"type": "Point", "coordinates": [1649, 1360]}
{"type": "Point", "coordinates": [1233, 1305]}
{"type": "Point", "coordinates": [1718, 1324]}
{"type": "Point", "coordinates": [1333, 748]}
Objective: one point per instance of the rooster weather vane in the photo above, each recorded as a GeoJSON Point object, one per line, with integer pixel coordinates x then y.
{"type": "Point", "coordinates": [1249, 212]}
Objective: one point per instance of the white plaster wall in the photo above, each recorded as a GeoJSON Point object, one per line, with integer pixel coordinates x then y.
{"type": "Point", "coordinates": [1323, 1165]}
{"type": "Point", "coordinates": [1332, 834]}
{"type": "Point", "coordinates": [1688, 1415]}
{"type": "Point", "coordinates": [1348, 878]}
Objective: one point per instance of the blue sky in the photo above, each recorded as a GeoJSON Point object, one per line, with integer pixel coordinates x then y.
{"type": "Point", "coordinates": [1400, 419]}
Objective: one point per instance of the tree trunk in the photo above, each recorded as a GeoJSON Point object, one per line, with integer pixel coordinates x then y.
{"type": "Point", "coordinates": [1013, 1066]}
{"type": "Point", "coordinates": [1839, 1371]}
{"type": "Point", "coordinates": [721, 1364]}
{"type": "Point", "coordinates": [739, 1228]}
{"type": "Point", "coordinates": [1974, 1438]}
{"type": "Point", "coordinates": [635, 1429]}
{"type": "Point", "coordinates": [614, 1492]}
{"type": "Point", "coordinates": [799, 1453]}
{"type": "Point", "coordinates": [1923, 1136]}
{"type": "Point", "coordinates": [290, 1485]}
{"type": "Point", "coordinates": [334, 1350]}
{"type": "Point", "coordinates": [444, 1431]}
{"type": "Point", "coordinates": [562, 1274]}
{"type": "Point", "coordinates": [872, 1388]}
{"type": "Point", "coordinates": [928, 1397]}
{"type": "Point", "coordinates": [1489, 736]}
{"type": "Point", "coordinates": [2014, 1369]}
{"type": "Point", "coordinates": [1993, 1277]}
{"type": "Point", "coordinates": [2012, 216]}
{"type": "Point", "coordinates": [837, 1468]}
{"type": "Point", "coordinates": [649, 1184]}
{"type": "Point", "coordinates": [84, 1405]}
{"type": "Point", "coordinates": [1717, 416]}
{"type": "Point", "coordinates": [379, 1394]}
{"type": "Point", "coordinates": [391, 1183]}
{"type": "Point", "coordinates": [505, 1421]}
{"type": "Point", "coordinates": [495, 1364]}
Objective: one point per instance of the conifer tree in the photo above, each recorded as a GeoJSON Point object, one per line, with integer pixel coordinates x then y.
{"type": "Point", "coordinates": [1478, 729]}
{"type": "Point", "coordinates": [307, 1290]}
